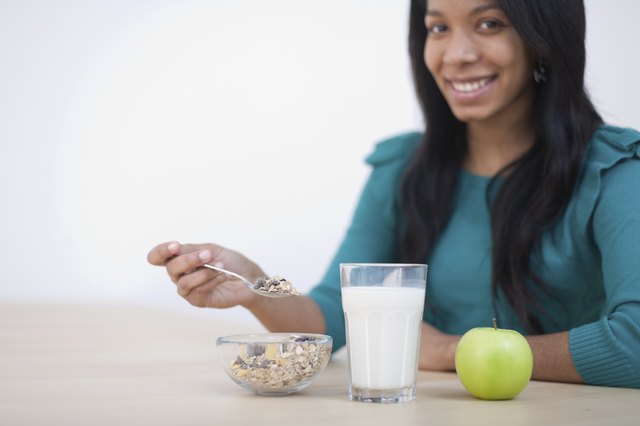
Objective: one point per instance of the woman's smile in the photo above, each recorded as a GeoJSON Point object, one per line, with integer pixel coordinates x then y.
{"type": "Point", "coordinates": [467, 89]}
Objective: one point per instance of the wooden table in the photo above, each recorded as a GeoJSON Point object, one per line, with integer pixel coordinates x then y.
{"type": "Point", "coordinates": [73, 365]}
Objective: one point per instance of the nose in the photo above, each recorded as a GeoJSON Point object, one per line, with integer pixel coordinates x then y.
{"type": "Point", "coordinates": [461, 49]}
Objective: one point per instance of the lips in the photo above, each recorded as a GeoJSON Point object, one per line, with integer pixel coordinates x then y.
{"type": "Point", "coordinates": [469, 86]}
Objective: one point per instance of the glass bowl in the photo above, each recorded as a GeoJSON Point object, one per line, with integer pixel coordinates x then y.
{"type": "Point", "coordinates": [274, 364]}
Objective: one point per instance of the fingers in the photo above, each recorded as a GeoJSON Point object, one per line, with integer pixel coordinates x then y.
{"type": "Point", "coordinates": [187, 263]}
{"type": "Point", "coordinates": [162, 253]}
{"type": "Point", "coordinates": [188, 282]}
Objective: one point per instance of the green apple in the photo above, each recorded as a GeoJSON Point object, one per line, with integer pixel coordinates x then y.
{"type": "Point", "coordinates": [494, 363]}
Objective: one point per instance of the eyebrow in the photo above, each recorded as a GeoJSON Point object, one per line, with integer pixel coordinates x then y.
{"type": "Point", "coordinates": [475, 11]}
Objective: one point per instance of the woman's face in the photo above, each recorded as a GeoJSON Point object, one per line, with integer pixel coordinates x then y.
{"type": "Point", "coordinates": [479, 61]}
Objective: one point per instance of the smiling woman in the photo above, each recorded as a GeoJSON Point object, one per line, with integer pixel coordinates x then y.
{"type": "Point", "coordinates": [517, 194]}
{"type": "Point", "coordinates": [123, 124]}
{"type": "Point", "coordinates": [511, 165]}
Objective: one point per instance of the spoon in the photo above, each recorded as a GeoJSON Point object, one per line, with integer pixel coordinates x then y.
{"type": "Point", "coordinates": [270, 287]}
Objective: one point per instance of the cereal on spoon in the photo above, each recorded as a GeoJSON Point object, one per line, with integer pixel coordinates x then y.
{"type": "Point", "coordinates": [275, 285]}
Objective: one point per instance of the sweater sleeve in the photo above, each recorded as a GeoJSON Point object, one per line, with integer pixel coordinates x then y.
{"type": "Point", "coordinates": [371, 236]}
{"type": "Point", "coordinates": [607, 352]}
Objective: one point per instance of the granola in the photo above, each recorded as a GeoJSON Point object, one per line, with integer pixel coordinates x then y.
{"type": "Point", "coordinates": [277, 285]}
{"type": "Point", "coordinates": [282, 364]}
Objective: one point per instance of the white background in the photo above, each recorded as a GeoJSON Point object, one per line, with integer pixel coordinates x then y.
{"type": "Point", "coordinates": [128, 123]}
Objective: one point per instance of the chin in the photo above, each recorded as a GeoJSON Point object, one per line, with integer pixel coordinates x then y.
{"type": "Point", "coordinates": [468, 116]}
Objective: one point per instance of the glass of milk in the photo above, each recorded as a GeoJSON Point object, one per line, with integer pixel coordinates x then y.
{"type": "Point", "coordinates": [383, 304]}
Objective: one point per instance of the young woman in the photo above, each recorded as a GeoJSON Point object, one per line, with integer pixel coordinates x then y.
{"type": "Point", "coordinates": [523, 203]}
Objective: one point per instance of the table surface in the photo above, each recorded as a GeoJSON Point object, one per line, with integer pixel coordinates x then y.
{"type": "Point", "coordinates": [92, 365]}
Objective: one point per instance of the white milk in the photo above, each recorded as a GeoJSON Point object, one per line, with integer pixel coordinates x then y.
{"type": "Point", "coordinates": [383, 330]}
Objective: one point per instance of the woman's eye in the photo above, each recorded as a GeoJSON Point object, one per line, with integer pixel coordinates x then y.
{"type": "Point", "coordinates": [489, 24]}
{"type": "Point", "coordinates": [436, 28]}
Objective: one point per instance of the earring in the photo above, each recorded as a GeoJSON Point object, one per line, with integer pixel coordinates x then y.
{"type": "Point", "coordinates": [540, 73]}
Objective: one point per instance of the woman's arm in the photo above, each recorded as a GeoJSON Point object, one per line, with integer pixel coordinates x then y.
{"type": "Point", "coordinates": [291, 314]}
{"type": "Point", "coordinates": [551, 356]}
{"type": "Point", "coordinates": [206, 288]}
{"type": "Point", "coordinates": [370, 238]}
{"type": "Point", "coordinates": [605, 352]}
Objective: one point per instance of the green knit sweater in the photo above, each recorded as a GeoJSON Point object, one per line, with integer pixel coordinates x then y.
{"type": "Point", "coordinates": [590, 260]}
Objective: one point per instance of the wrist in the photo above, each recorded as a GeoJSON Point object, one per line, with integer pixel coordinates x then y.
{"type": "Point", "coordinates": [450, 351]}
{"type": "Point", "coordinates": [438, 350]}
{"type": "Point", "coordinates": [254, 302]}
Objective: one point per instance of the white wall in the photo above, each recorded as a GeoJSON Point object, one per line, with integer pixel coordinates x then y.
{"type": "Point", "coordinates": [127, 123]}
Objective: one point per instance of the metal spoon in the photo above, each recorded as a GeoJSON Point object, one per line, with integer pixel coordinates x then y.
{"type": "Point", "coordinates": [257, 287]}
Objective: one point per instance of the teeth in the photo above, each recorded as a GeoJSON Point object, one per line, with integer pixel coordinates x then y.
{"type": "Point", "coordinates": [469, 86]}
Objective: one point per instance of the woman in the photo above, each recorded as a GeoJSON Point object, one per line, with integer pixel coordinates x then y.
{"type": "Point", "coordinates": [520, 199]}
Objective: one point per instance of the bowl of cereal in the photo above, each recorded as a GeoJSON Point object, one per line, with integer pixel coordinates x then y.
{"type": "Point", "coordinates": [274, 364]}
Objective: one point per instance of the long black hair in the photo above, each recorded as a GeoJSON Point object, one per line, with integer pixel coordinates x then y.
{"type": "Point", "coordinates": [535, 191]}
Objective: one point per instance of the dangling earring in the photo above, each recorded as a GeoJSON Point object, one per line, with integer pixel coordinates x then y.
{"type": "Point", "coordinates": [540, 73]}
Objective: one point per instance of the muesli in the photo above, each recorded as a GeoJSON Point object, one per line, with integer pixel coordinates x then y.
{"type": "Point", "coordinates": [277, 285]}
{"type": "Point", "coordinates": [280, 365]}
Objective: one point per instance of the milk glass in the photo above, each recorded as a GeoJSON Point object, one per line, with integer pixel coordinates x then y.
{"type": "Point", "coordinates": [383, 306]}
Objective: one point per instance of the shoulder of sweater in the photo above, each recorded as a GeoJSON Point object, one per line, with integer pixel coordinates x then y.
{"type": "Point", "coordinates": [619, 138]}
{"type": "Point", "coordinates": [610, 148]}
{"type": "Point", "coordinates": [399, 148]}
{"type": "Point", "coordinates": [610, 151]}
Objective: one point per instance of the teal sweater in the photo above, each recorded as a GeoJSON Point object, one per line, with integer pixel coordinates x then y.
{"type": "Point", "coordinates": [590, 260]}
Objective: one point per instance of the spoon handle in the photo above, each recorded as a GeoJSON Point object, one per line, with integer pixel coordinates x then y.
{"type": "Point", "coordinates": [233, 274]}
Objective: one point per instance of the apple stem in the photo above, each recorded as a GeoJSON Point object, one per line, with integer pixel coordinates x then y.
{"type": "Point", "coordinates": [495, 323]}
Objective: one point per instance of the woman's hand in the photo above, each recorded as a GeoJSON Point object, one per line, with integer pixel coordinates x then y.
{"type": "Point", "coordinates": [204, 287]}
{"type": "Point", "coordinates": [437, 349]}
